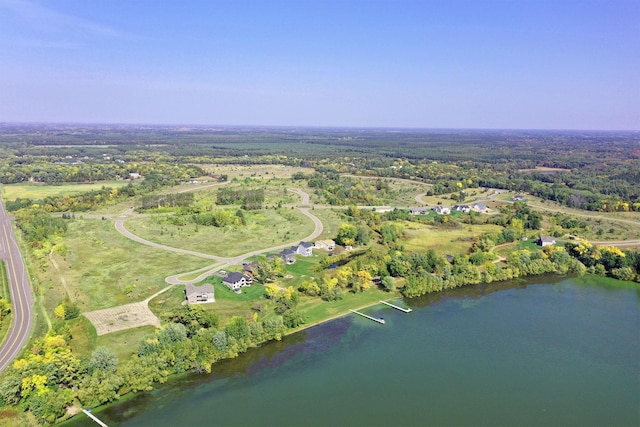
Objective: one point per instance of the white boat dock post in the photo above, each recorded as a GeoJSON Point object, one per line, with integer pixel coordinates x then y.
{"type": "Point", "coordinates": [375, 319]}
{"type": "Point", "coordinates": [406, 310]}
{"type": "Point", "coordinates": [94, 418]}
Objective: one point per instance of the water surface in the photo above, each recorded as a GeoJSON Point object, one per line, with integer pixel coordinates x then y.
{"type": "Point", "coordinates": [563, 353]}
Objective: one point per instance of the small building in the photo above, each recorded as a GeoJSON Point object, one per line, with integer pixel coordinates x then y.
{"type": "Point", "coordinates": [235, 281]}
{"type": "Point", "coordinates": [518, 198]}
{"type": "Point", "coordinates": [442, 210]}
{"type": "Point", "coordinates": [134, 175]}
{"type": "Point", "coordinates": [546, 241]}
{"type": "Point", "coordinates": [480, 207]}
{"type": "Point", "coordinates": [304, 249]}
{"type": "Point", "coordinates": [199, 294]}
{"type": "Point", "coordinates": [325, 244]}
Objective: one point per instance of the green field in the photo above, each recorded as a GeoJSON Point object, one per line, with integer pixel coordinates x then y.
{"type": "Point", "coordinates": [421, 238]}
{"type": "Point", "coordinates": [39, 191]}
{"type": "Point", "coordinates": [265, 228]}
{"type": "Point", "coordinates": [104, 269]}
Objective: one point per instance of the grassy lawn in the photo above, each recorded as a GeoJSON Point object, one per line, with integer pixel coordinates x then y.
{"type": "Point", "coordinates": [421, 238]}
{"type": "Point", "coordinates": [301, 271]}
{"type": "Point", "coordinates": [39, 191]}
{"type": "Point", "coordinates": [104, 269]}
{"type": "Point", "coordinates": [255, 171]}
{"type": "Point", "coordinates": [4, 282]}
{"type": "Point", "coordinates": [331, 221]}
{"type": "Point", "coordinates": [227, 304]}
{"type": "Point", "coordinates": [84, 336]}
{"type": "Point", "coordinates": [317, 310]}
{"type": "Point", "coordinates": [265, 228]}
{"type": "Point", "coordinates": [124, 343]}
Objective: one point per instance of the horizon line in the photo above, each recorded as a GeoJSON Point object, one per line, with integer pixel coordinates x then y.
{"type": "Point", "coordinates": [328, 127]}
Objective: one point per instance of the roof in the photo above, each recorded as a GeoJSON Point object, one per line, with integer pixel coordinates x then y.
{"type": "Point", "coordinates": [286, 252]}
{"type": "Point", "coordinates": [547, 239]}
{"type": "Point", "coordinates": [193, 289]}
{"type": "Point", "coordinates": [306, 245]}
{"type": "Point", "coordinates": [234, 277]}
{"type": "Point", "coordinates": [480, 206]}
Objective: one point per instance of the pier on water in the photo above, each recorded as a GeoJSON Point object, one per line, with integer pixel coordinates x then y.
{"type": "Point", "coordinates": [406, 310]}
{"type": "Point", "coordinates": [94, 418]}
{"type": "Point", "coordinates": [375, 319]}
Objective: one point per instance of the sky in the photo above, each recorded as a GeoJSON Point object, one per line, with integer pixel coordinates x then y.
{"type": "Point", "coordinates": [474, 64]}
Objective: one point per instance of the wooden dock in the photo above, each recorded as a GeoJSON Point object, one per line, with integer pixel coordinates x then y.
{"type": "Point", "coordinates": [406, 310]}
{"type": "Point", "coordinates": [94, 418]}
{"type": "Point", "coordinates": [375, 319]}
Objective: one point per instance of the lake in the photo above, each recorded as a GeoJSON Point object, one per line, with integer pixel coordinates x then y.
{"type": "Point", "coordinates": [552, 351]}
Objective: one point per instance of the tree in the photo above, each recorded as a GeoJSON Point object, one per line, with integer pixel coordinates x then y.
{"type": "Point", "coordinates": [103, 359]}
{"type": "Point", "coordinates": [362, 280]}
{"type": "Point", "coordinates": [293, 318]}
{"type": "Point", "coordinates": [347, 234]}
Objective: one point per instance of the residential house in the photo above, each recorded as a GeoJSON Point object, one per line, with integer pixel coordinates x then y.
{"type": "Point", "coordinates": [235, 281]}
{"type": "Point", "coordinates": [199, 294]}
{"type": "Point", "coordinates": [325, 244]}
{"type": "Point", "coordinates": [462, 208]}
{"type": "Point", "coordinates": [518, 198]}
{"type": "Point", "coordinates": [303, 248]}
{"type": "Point", "coordinates": [418, 211]}
{"type": "Point", "coordinates": [442, 210]}
{"type": "Point", "coordinates": [249, 268]}
{"type": "Point", "coordinates": [288, 256]}
{"type": "Point", "coordinates": [480, 207]}
{"type": "Point", "coordinates": [546, 241]}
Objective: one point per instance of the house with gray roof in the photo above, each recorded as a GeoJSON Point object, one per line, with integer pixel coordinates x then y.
{"type": "Point", "coordinates": [199, 294]}
{"type": "Point", "coordinates": [480, 207]}
{"type": "Point", "coordinates": [235, 281]}
{"type": "Point", "coordinates": [546, 241]}
{"type": "Point", "coordinates": [304, 249]}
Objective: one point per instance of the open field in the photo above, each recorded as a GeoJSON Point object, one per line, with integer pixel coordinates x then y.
{"type": "Point", "coordinates": [254, 171]}
{"type": "Point", "coordinates": [265, 228]}
{"type": "Point", "coordinates": [615, 226]}
{"type": "Point", "coordinates": [421, 238]}
{"type": "Point", "coordinates": [39, 191]}
{"type": "Point", "coordinates": [103, 269]}
{"type": "Point", "coordinates": [330, 220]}
{"type": "Point", "coordinates": [83, 336]}
{"type": "Point", "coordinates": [124, 343]}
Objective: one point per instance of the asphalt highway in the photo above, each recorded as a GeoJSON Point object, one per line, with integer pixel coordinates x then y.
{"type": "Point", "coordinates": [21, 296]}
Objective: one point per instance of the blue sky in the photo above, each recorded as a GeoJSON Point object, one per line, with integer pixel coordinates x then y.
{"type": "Point", "coordinates": [514, 64]}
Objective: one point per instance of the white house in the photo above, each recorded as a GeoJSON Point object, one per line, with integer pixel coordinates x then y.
{"type": "Point", "coordinates": [442, 210]}
{"type": "Point", "coordinates": [325, 244]}
{"type": "Point", "coordinates": [236, 280]}
{"type": "Point", "coordinates": [304, 249]}
{"type": "Point", "coordinates": [546, 241]}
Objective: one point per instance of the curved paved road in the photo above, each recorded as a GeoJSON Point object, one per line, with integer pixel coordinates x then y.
{"type": "Point", "coordinates": [21, 296]}
{"type": "Point", "coordinates": [221, 261]}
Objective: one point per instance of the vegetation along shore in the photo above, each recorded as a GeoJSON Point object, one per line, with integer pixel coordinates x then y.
{"type": "Point", "coordinates": [158, 251]}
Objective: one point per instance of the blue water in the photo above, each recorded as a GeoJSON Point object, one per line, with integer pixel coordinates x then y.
{"type": "Point", "coordinates": [555, 354]}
